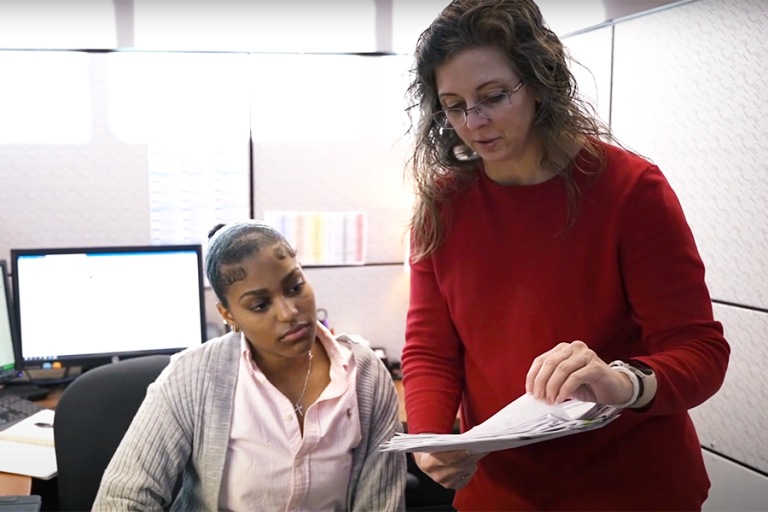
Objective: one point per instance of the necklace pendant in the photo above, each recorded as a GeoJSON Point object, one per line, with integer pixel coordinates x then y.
{"type": "Point", "coordinates": [299, 409]}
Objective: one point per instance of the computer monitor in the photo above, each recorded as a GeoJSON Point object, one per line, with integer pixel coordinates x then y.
{"type": "Point", "coordinates": [89, 306]}
{"type": "Point", "coordinates": [8, 363]}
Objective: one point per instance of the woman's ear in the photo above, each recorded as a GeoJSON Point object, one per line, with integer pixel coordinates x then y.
{"type": "Point", "coordinates": [537, 93]}
{"type": "Point", "coordinates": [226, 315]}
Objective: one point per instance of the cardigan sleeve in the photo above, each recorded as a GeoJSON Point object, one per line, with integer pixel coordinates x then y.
{"type": "Point", "coordinates": [433, 359]}
{"type": "Point", "coordinates": [381, 482]}
{"type": "Point", "coordinates": [152, 454]}
{"type": "Point", "coordinates": [664, 280]}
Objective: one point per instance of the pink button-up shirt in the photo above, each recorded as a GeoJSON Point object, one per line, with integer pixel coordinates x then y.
{"type": "Point", "coordinates": [269, 465]}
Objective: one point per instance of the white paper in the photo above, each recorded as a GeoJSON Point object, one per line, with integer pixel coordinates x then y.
{"type": "Point", "coordinates": [194, 186]}
{"type": "Point", "coordinates": [522, 410]}
{"type": "Point", "coordinates": [35, 455]}
{"type": "Point", "coordinates": [323, 238]}
{"type": "Point", "coordinates": [524, 421]}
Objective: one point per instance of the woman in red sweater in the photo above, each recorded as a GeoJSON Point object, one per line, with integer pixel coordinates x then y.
{"type": "Point", "coordinates": [547, 261]}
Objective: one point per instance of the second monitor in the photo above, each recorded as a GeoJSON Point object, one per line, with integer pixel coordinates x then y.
{"type": "Point", "coordinates": [90, 306]}
{"type": "Point", "coordinates": [7, 349]}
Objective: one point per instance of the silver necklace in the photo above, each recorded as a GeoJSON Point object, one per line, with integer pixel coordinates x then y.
{"type": "Point", "coordinates": [297, 406]}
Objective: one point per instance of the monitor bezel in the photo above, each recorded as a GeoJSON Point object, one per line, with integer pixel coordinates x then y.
{"type": "Point", "coordinates": [9, 306]}
{"type": "Point", "coordinates": [92, 360]}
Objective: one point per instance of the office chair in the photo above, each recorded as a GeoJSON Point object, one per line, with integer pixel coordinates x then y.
{"type": "Point", "coordinates": [92, 416]}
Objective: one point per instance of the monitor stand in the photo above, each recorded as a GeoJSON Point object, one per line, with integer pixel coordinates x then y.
{"type": "Point", "coordinates": [26, 391]}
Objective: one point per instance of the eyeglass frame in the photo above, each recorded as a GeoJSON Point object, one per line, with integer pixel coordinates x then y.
{"type": "Point", "coordinates": [444, 113]}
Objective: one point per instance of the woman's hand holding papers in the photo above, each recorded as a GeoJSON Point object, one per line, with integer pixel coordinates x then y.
{"type": "Point", "coordinates": [572, 370]}
{"type": "Point", "coordinates": [452, 470]}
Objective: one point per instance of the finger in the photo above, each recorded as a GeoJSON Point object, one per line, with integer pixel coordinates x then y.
{"type": "Point", "coordinates": [578, 345]}
{"type": "Point", "coordinates": [533, 371]}
{"type": "Point", "coordinates": [575, 380]}
{"type": "Point", "coordinates": [451, 457]}
{"type": "Point", "coordinates": [476, 457]}
{"type": "Point", "coordinates": [548, 367]}
{"type": "Point", "coordinates": [450, 477]}
{"type": "Point", "coordinates": [460, 480]}
{"type": "Point", "coordinates": [564, 370]}
{"type": "Point", "coordinates": [436, 462]}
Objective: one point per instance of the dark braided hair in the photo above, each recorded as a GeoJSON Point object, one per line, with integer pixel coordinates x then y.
{"type": "Point", "coordinates": [230, 244]}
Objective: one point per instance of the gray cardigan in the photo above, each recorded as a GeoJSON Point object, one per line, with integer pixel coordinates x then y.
{"type": "Point", "coordinates": [183, 425]}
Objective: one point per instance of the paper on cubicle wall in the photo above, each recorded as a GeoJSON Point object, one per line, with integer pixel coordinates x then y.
{"type": "Point", "coordinates": [524, 421]}
{"type": "Point", "coordinates": [324, 238]}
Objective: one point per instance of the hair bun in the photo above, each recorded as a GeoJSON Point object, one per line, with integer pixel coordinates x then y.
{"type": "Point", "coordinates": [214, 230]}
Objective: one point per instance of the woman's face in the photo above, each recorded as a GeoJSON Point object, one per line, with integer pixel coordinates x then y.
{"type": "Point", "coordinates": [274, 305]}
{"type": "Point", "coordinates": [475, 74]}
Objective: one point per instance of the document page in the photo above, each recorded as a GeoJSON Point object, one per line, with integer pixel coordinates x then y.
{"type": "Point", "coordinates": [522, 422]}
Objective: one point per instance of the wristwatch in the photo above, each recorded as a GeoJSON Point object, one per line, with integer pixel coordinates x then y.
{"type": "Point", "coordinates": [643, 381]}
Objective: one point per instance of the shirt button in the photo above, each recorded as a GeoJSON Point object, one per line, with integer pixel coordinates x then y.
{"type": "Point", "coordinates": [288, 417]}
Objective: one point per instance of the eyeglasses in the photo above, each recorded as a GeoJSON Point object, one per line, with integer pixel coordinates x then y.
{"type": "Point", "coordinates": [493, 105]}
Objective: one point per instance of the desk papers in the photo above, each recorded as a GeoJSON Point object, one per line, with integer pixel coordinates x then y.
{"type": "Point", "coordinates": [524, 421]}
{"type": "Point", "coordinates": [28, 449]}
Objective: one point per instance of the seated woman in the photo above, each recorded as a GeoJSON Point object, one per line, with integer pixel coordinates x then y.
{"type": "Point", "coordinates": [276, 415]}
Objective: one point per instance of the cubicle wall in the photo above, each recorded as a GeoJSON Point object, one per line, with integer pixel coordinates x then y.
{"type": "Point", "coordinates": [591, 54]}
{"type": "Point", "coordinates": [144, 148]}
{"type": "Point", "coordinates": [344, 149]}
{"type": "Point", "coordinates": [334, 142]}
{"type": "Point", "coordinates": [88, 193]}
{"type": "Point", "coordinates": [689, 92]}
{"type": "Point", "coordinates": [143, 115]}
{"type": "Point", "coordinates": [707, 134]}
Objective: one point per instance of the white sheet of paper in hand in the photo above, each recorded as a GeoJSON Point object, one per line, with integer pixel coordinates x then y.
{"type": "Point", "coordinates": [524, 421]}
{"type": "Point", "coordinates": [524, 409]}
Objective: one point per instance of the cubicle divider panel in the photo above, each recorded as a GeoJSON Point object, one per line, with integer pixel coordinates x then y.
{"type": "Point", "coordinates": [734, 421]}
{"type": "Point", "coordinates": [592, 54]}
{"type": "Point", "coordinates": [329, 136]}
{"type": "Point", "coordinates": [145, 120]}
{"type": "Point", "coordinates": [371, 302]}
{"type": "Point", "coordinates": [74, 194]}
{"type": "Point", "coordinates": [690, 92]}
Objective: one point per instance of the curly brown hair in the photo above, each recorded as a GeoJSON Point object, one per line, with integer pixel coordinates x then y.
{"type": "Point", "coordinates": [441, 162]}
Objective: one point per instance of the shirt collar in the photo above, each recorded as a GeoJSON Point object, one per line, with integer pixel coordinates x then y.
{"type": "Point", "coordinates": [338, 354]}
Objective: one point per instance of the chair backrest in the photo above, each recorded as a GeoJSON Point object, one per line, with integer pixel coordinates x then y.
{"type": "Point", "coordinates": [92, 416]}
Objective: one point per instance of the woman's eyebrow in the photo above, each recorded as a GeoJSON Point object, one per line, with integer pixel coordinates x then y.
{"type": "Point", "coordinates": [481, 86]}
{"type": "Point", "coordinates": [263, 291]}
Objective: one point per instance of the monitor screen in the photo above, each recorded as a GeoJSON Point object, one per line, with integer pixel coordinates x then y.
{"type": "Point", "coordinates": [7, 358]}
{"type": "Point", "coordinates": [87, 306]}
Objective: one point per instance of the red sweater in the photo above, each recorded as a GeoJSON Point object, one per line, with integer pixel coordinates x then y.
{"type": "Point", "coordinates": [511, 282]}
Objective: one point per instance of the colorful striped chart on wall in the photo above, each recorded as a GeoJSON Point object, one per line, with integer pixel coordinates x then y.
{"type": "Point", "coordinates": [324, 238]}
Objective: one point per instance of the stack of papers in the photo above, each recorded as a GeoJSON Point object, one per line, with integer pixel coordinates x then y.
{"type": "Point", "coordinates": [524, 421]}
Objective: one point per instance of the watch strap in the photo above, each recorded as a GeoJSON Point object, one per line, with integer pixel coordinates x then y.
{"type": "Point", "coordinates": [646, 379]}
{"type": "Point", "coordinates": [636, 384]}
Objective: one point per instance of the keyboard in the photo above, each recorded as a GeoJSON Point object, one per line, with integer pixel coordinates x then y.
{"type": "Point", "coordinates": [28, 391]}
{"type": "Point", "coordinates": [14, 409]}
